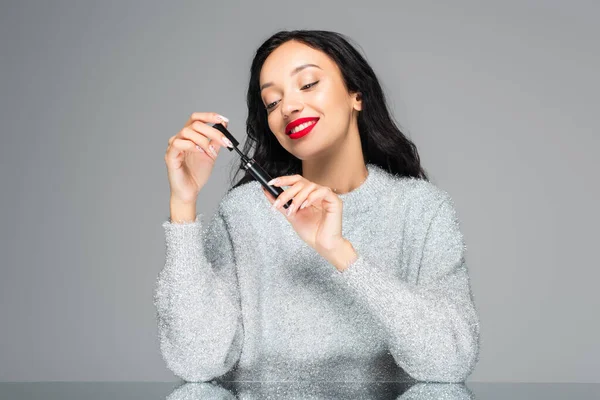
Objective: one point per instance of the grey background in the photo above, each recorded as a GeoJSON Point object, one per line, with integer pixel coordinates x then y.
{"type": "Point", "coordinates": [501, 99]}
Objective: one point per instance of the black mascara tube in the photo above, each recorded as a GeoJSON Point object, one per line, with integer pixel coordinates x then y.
{"type": "Point", "coordinates": [250, 165]}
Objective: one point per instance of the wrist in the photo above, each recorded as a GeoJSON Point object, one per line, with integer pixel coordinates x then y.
{"type": "Point", "coordinates": [174, 200]}
{"type": "Point", "coordinates": [342, 256]}
{"type": "Point", "coordinates": [182, 212]}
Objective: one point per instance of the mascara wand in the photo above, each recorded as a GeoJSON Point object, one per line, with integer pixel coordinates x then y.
{"type": "Point", "coordinates": [252, 166]}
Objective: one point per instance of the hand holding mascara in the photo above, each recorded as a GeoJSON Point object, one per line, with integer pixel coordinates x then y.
{"type": "Point", "coordinates": [191, 155]}
{"type": "Point", "coordinates": [252, 166]}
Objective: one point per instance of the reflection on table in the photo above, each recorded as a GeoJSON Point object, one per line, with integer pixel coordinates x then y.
{"type": "Point", "coordinates": [321, 390]}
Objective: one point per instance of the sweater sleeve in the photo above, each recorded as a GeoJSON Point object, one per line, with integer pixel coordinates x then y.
{"type": "Point", "coordinates": [432, 325]}
{"type": "Point", "coordinates": [197, 300]}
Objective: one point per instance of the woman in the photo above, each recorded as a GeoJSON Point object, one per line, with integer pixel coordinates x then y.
{"type": "Point", "coordinates": [365, 279]}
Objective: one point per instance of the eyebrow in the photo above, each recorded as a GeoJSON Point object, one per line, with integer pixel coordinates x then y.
{"type": "Point", "coordinates": [295, 71]}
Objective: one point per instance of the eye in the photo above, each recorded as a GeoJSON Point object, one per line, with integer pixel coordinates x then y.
{"type": "Point", "coordinates": [309, 85]}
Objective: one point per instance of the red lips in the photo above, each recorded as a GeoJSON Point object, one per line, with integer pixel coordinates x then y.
{"type": "Point", "coordinates": [297, 122]}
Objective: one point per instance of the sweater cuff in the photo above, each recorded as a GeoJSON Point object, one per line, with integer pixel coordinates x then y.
{"type": "Point", "coordinates": [184, 242]}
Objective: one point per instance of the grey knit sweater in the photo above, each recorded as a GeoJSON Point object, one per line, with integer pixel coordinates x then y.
{"type": "Point", "coordinates": [242, 297]}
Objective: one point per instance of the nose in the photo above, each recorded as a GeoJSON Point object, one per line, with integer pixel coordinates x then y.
{"type": "Point", "coordinates": [291, 106]}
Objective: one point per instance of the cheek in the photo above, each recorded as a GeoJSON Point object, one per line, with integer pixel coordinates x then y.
{"type": "Point", "coordinates": [321, 99]}
{"type": "Point", "coordinates": [328, 98]}
{"type": "Point", "coordinates": [271, 120]}
{"type": "Point", "coordinates": [274, 122]}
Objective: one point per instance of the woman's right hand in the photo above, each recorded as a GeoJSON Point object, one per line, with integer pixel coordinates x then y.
{"type": "Point", "coordinates": [188, 166]}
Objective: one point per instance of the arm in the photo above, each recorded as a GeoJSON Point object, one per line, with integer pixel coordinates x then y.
{"type": "Point", "coordinates": [432, 326]}
{"type": "Point", "coordinates": [197, 301]}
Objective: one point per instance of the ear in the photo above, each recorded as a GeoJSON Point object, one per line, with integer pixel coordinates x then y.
{"type": "Point", "coordinates": [357, 102]}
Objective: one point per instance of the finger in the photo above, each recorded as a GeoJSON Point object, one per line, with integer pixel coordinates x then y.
{"type": "Point", "coordinates": [322, 193]}
{"type": "Point", "coordinates": [286, 195]}
{"type": "Point", "coordinates": [179, 145]}
{"type": "Point", "coordinates": [270, 197]}
{"type": "Point", "coordinates": [208, 131]}
{"type": "Point", "coordinates": [301, 196]}
{"type": "Point", "coordinates": [203, 144]}
{"type": "Point", "coordinates": [209, 146]}
{"type": "Point", "coordinates": [207, 117]}
{"type": "Point", "coordinates": [285, 180]}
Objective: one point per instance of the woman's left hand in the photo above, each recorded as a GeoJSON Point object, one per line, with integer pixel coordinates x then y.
{"type": "Point", "coordinates": [319, 223]}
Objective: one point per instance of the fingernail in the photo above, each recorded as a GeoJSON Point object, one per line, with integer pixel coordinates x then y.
{"type": "Point", "coordinates": [275, 204]}
{"type": "Point", "coordinates": [212, 150]}
{"type": "Point", "coordinates": [289, 211]}
{"type": "Point", "coordinates": [227, 142]}
{"type": "Point", "coordinates": [272, 181]}
{"type": "Point", "coordinates": [200, 148]}
{"type": "Point", "coordinates": [303, 204]}
{"type": "Point", "coordinates": [222, 118]}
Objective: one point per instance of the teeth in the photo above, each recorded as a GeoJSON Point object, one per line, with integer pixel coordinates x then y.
{"type": "Point", "coordinates": [302, 126]}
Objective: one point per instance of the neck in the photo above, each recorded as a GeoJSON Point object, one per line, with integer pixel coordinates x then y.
{"type": "Point", "coordinates": [342, 169]}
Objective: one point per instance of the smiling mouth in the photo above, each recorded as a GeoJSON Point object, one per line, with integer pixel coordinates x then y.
{"type": "Point", "coordinates": [301, 127]}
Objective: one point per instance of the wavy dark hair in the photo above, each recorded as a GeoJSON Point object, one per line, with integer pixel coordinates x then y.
{"type": "Point", "coordinates": [382, 141]}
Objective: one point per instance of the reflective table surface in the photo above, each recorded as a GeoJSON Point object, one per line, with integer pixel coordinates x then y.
{"type": "Point", "coordinates": [295, 390]}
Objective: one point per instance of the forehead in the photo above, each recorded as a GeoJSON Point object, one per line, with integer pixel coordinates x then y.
{"type": "Point", "coordinates": [289, 55]}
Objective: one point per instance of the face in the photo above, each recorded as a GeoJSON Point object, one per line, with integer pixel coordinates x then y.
{"type": "Point", "coordinates": [315, 91]}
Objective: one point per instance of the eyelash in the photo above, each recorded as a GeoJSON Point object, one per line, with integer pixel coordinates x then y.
{"type": "Point", "coordinates": [268, 107]}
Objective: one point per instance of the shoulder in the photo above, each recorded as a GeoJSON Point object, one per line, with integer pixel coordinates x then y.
{"type": "Point", "coordinates": [416, 201]}
{"type": "Point", "coordinates": [426, 192]}
{"type": "Point", "coordinates": [425, 207]}
{"type": "Point", "coordinates": [418, 195]}
{"type": "Point", "coordinates": [428, 203]}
